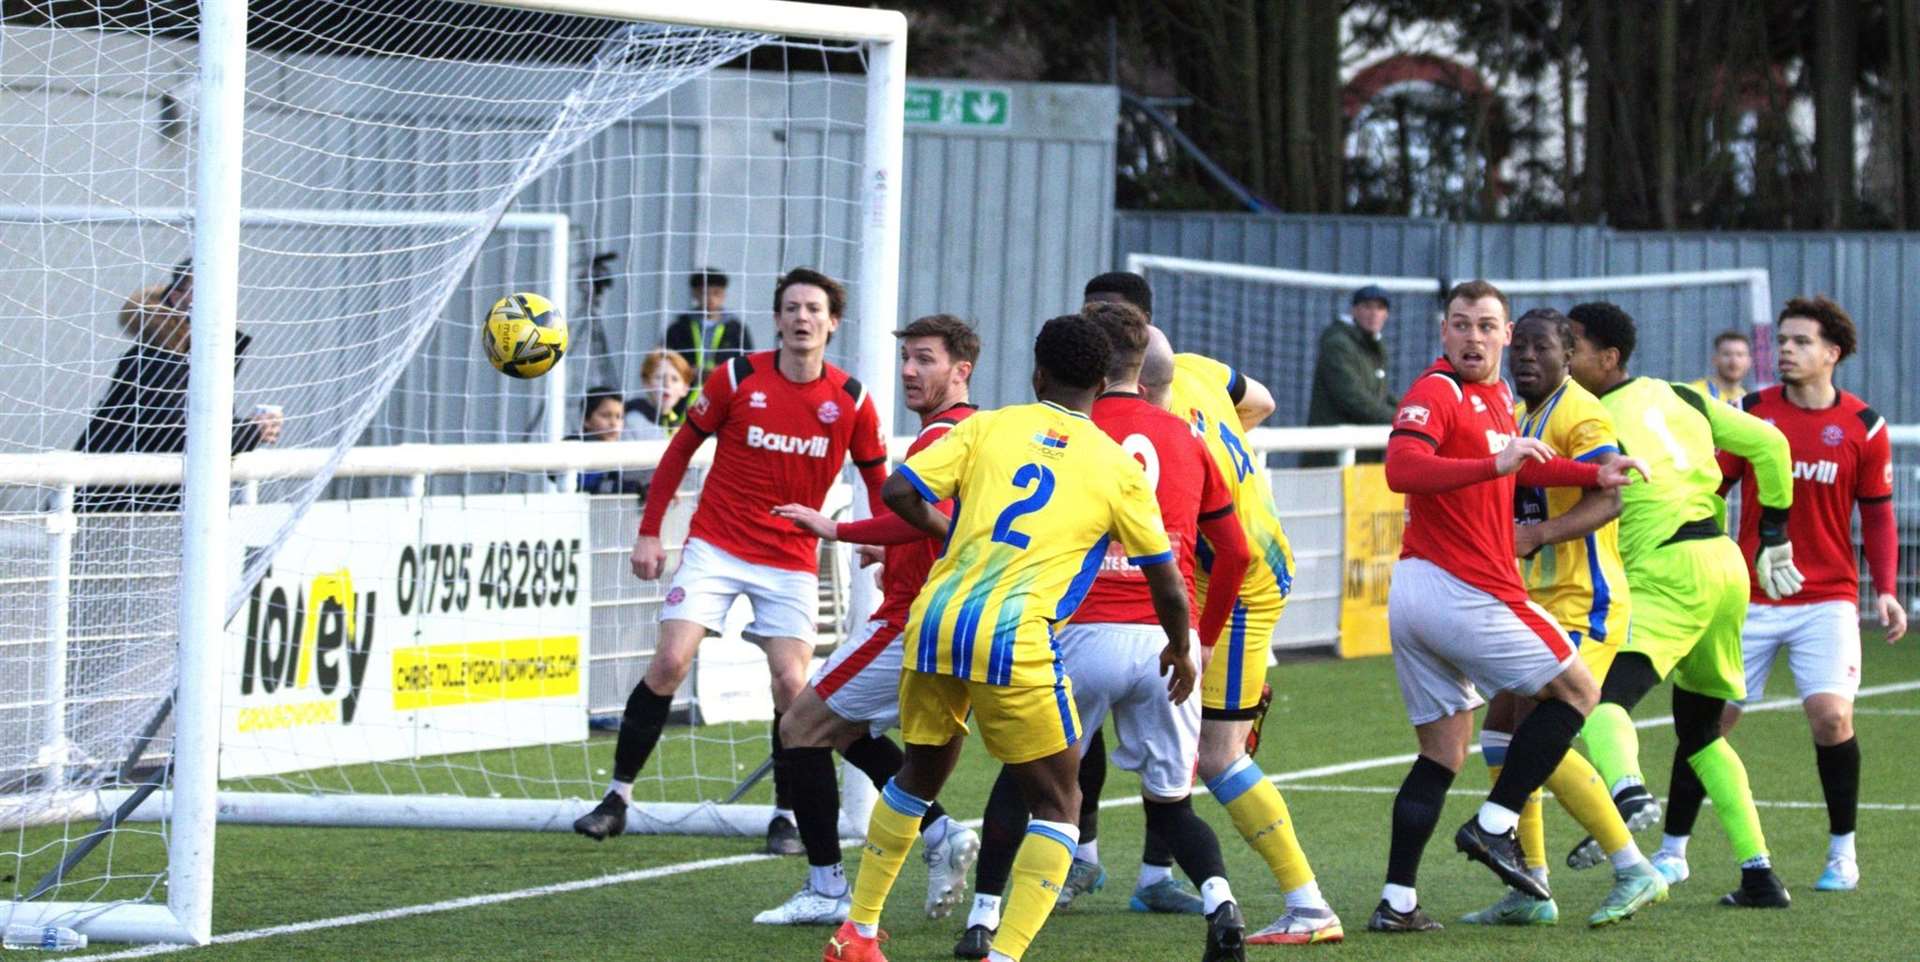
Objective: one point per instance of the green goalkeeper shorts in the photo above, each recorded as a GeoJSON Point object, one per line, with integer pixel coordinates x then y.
{"type": "Point", "coordinates": [1689, 606]}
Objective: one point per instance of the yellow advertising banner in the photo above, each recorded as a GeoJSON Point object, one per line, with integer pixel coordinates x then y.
{"type": "Point", "coordinates": [1374, 519]}
{"type": "Point", "coordinates": [483, 671]}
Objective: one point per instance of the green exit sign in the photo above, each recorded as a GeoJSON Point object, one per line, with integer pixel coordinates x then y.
{"type": "Point", "coordinates": [975, 107]}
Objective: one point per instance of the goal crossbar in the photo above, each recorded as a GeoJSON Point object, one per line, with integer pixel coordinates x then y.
{"type": "Point", "coordinates": [1754, 280]}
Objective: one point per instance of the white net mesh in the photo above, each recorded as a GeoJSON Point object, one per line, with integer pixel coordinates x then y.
{"type": "Point", "coordinates": [1269, 320]}
{"type": "Point", "coordinates": [422, 630]}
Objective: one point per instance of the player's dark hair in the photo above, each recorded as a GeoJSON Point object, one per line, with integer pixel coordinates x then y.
{"type": "Point", "coordinates": [1607, 325]}
{"type": "Point", "coordinates": [955, 335]}
{"type": "Point", "coordinates": [1731, 335]}
{"type": "Point", "coordinates": [597, 395]}
{"type": "Point", "coordinates": [1126, 329]}
{"type": "Point", "coordinates": [1836, 325]}
{"type": "Point", "coordinates": [1557, 322]}
{"type": "Point", "coordinates": [707, 277]}
{"type": "Point", "coordinates": [1476, 289]}
{"type": "Point", "coordinates": [1073, 350]}
{"type": "Point", "coordinates": [836, 294]}
{"type": "Point", "coordinates": [1130, 287]}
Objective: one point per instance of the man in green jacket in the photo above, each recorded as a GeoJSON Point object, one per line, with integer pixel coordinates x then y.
{"type": "Point", "coordinates": [1350, 374]}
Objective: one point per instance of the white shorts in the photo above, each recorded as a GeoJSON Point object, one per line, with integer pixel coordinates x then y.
{"type": "Point", "coordinates": [1449, 636]}
{"type": "Point", "coordinates": [1116, 668]}
{"type": "Point", "coordinates": [1822, 641]}
{"type": "Point", "coordinates": [785, 602]}
{"type": "Point", "coordinates": [860, 681]}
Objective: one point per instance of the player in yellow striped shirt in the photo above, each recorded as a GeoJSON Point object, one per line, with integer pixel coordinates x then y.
{"type": "Point", "coordinates": [1039, 490]}
{"type": "Point", "coordinates": [1568, 540]}
{"type": "Point", "coordinates": [1732, 359]}
{"type": "Point", "coordinates": [1203, 391]}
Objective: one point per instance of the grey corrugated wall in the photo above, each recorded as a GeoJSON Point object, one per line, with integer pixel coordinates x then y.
{"type": "Point", "coordinates": [1871, 274]}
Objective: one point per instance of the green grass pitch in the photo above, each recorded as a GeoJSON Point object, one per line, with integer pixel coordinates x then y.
{"type": "Point", "coordinates": [1326, 713]}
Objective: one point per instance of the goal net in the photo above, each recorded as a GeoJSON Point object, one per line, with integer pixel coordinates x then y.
{"type": "Point", "coordinates": [1268, 320]}
{"type": "Point", "coordinates": [413, 568]}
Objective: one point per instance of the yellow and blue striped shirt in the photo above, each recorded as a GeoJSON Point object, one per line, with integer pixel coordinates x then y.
{"type": "Point", "coordinates": [1581, 582]}
{"type": "Point", "coordinates": [1038, 491]}
{"type": "Point", "coordinates": [1201, 394]}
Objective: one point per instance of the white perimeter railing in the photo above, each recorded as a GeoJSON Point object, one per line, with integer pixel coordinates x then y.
{"type": "Point", "coordinates": [1310, 502]}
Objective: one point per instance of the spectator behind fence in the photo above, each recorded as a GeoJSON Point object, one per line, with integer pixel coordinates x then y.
{"type": "Point", "coordinates": [1350, 373]}
{"type": "Point", "coordinates": [1732, 359]}
{"type": "Point", "coordinates": [601, 420]}
{"type": "Point", "coordinates": [658, 409]}
{"type": "Point", "coordinates": [707, 336]}
{"type": "Point", "coordinates": [145, 409]}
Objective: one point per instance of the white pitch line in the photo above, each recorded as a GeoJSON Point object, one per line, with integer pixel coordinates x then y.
{"type": "Point", "coordinates": [681, 868]}
{"type": "Point", "coordinates": [1476, 793]}
{"type": "Point", "coordinates": [1897, 712]}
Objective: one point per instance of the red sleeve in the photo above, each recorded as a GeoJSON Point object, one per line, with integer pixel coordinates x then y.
{"type": "Point", "coordinates": [873, 476]}
{"type": "Point", "coordinates": [1230, 562]}
{"type": "Point", "coordinates": [1732, 468]}
{"type": "Point", "coordinates": [1873, 475]}
{"type": "Point", "coordinates": [1428, 410]}
{"type": "Point", "coordinates": [869, 452]}
{"type": "Point", "coordinates": [1881, 538]}
{"type": "Point", "coordinates": [1215, 495]}
{"type": "Point", "coordinates": [1414, 468]}
{"type": "Point", "coordinates": [869, 445]}
{"type": "Point", "coordinates": [1559, 473]}
{"type": "Point", "coordinates": [710, 412]}
{"type": "Point", "coordinates": [885, 528]}
{"type": "Point", "coordinates": [666, 477]}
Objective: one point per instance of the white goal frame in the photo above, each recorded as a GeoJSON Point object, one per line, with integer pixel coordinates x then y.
{"type": "Point", "coordinates": [208, 472]}
{"type": "Point", "coordinates": [1756, 280]}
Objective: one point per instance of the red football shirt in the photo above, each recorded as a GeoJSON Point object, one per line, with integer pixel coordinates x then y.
{"type": "Point", "coordinates": [1467, 531]}
{"type": "Point", "coordinates": [776, 442]}
{"type": "Point", "coordinates": [1841, 455]}
{"type": "Point", "coordinates": [1188, 486]}
{"type": "Point", "coordinates": [907, 564]}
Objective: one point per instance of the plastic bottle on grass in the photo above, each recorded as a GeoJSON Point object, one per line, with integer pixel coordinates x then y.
{"type": "Point", "coordinates": [51, 938]}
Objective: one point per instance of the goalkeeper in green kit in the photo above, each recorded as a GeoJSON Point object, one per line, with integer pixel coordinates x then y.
{"type": "Point", "coordinates": [1689, 583]}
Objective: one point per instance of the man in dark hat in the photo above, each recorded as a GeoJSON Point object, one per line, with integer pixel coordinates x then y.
{"type": "Point", "coordinates": [145, 407]}
{"type": "Point", "coordinates": [1350, 373]}
{"type": "Point", "coordinates": [707, 336]}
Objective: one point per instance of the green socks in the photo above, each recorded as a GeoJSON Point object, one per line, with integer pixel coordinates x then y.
{"type": "Point", "coordinates": [1614, 745]}
{"type": "Point", "coordinates": [1721, 771]}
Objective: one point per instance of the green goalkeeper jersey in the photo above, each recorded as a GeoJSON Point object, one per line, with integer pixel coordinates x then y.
{"type": "Point", "coordinates": [1675, 431]}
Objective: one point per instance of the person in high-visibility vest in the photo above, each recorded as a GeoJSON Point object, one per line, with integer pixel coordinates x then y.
{"type": "Point", "coordinates": [707, 336]}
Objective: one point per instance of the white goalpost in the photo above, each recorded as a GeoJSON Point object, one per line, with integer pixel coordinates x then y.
{"type": "Point", "coordinates": [215, 623]}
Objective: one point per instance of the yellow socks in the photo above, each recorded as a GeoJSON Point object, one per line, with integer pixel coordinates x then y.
{"type": "Point", "coordinates": [890, 836]}
{"type": "Point", "coordinates": [1261, 815]}
{"type": "Point", "coordinates": [1578, 786]}
{"type": "Point", "coordinates": [1039, 870]}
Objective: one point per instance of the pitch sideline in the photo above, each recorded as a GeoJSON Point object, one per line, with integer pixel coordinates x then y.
{"type": "Point", "coordinates": [682, 868]}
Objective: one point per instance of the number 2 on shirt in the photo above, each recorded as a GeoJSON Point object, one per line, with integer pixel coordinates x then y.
{"type": "Point", "coordinates": [1027, 474]}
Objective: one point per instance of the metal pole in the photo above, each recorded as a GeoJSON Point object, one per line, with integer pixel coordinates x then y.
{"type": "Point", "coordinates": [61, 524]}
{"type": "Point", "coordinates": [559, 282]}
{"type": "Point", "coordinates": [206, 566]}
{"type": "Point", "coordinates": [879, 300]}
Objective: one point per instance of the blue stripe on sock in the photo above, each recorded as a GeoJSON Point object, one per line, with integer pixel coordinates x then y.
{"type": "Point", "coordinates": [1494, 754]}
{"type": "Point", "coordinates": [1054, 834]}
{"type": "Point", "coordinates": [901, 801]}
{"type": "Point", "coordinates": [1235, 782]}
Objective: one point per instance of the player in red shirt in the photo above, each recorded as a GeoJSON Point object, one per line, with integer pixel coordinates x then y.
{"type": "Point", "coordinates": [1458, 613]}
{"type": "Point", "coordinates": [855, 697]}
{"type": "Point", "coordinates": [1113, 647]}
{"type": "Point", "coordinates": [1841, 457]}
{"type": "Point", "coordinates": [784, 422]}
